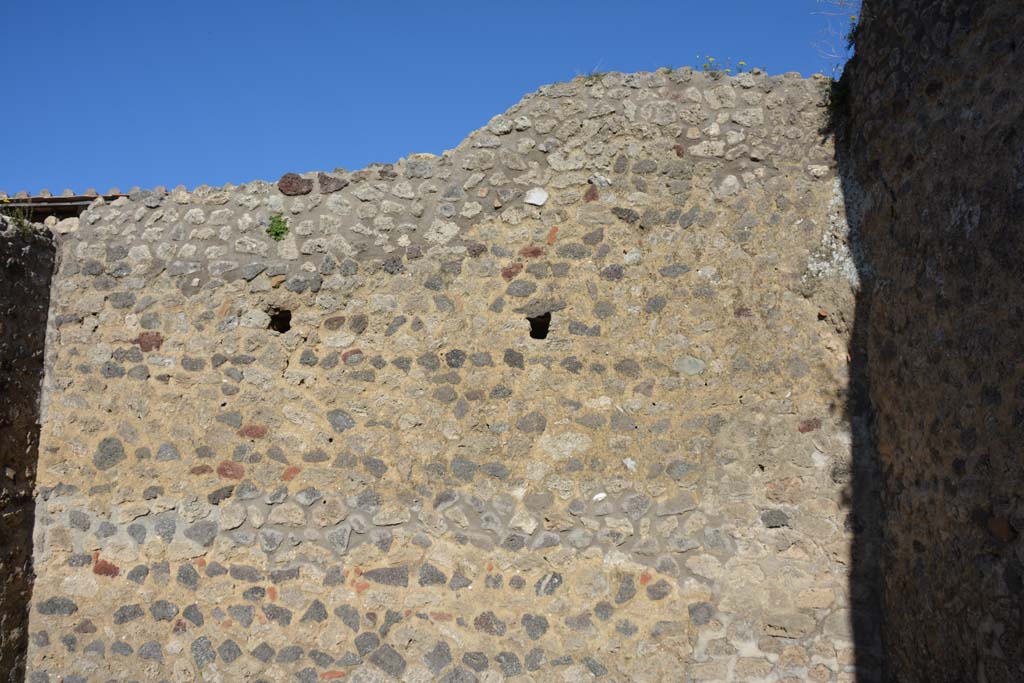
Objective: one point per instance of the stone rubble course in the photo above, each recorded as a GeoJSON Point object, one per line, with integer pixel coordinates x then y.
{"type": "Point", "coordinates": [342, 455]}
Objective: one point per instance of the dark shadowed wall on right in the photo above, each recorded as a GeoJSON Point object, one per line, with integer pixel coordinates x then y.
{"type": "Point", "coordinates": [933, 144]}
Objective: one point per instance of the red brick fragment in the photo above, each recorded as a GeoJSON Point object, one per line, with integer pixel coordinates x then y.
{"type": "Point", "coordinates": [148, 341]}
{"type": "Point", "coordinates": [201, 469]}
{"type": "Point", "coordinates": [645, 578]}
{"type": "Point", "coordinates": [290, 472]}
{"type": "Point", "coordinates": [511, 270]}
{"type": "Point", "coordinates": [104, 568]}
{"type": "Point", "coordinates": [332, 675]}
{"type": "Point", "coordinates": [552, 234]}
{"type": "Point", "coordinates": [1000, 528]}
{"type": "Point", "coordinates": [253, 431]}
{"type": "Point", "coordinates": [272, 592]}
{"type": "Point", "coordinates": [808, 425]}
{"type": "Point", "coordinates": [531, 251]}
{"type": "Point", "coordinates": [591, 194]}
{"type": "Point", "coordinates": [230, 470]}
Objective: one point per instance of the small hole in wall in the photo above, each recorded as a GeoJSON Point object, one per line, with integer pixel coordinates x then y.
{"type": "Point", "coordinates": [539, 325]}
{"type": "Point", "coordinates": [280, 320]}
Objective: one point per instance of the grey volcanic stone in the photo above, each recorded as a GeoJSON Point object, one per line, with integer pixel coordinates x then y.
{"type": "Point", "coordinates": [202, 651]}
{"type": "Point", "coordinates": [308, 496]}
{"type": "Point", "coordinates": [193, 614]}
{"type": "Point", "coordinates": [387, 659]}
{"type": "Point", "coordinates": [340, 420]}
{"type": "Point", "coordinates": [700, 613]}
{"type": "Point", "coordinates": [202, 532]}
{"type": "Point", "coordinates": [229, 651]}
{"type": "Point", "coordinates": [288, 654]}
{"type": "Point", "coordinates": [548, 584]}
{"type": "Point", "coordinates": [535, 625]}
{"type": "Point", "coordinates": [431, 576]}
{"type": "Point", "coordinates": [659, 590]}
{"type": "Point", "coordinates": [137, 532]}
{"type": "Point", "coordinates": [243, 614]}
{"type": "Point", "coordinates": [163, 610]}
{"type": "Point", "coordinates": [57, 607]}
{"type": "Point", "coordinates": [263, 652]}
{"type": "Point", "coordinates": [775, 519]}
{"type": "Point", "coordinates": [596, 668]}
{"type": "Point", "coordinates": [138, 573]}
{"type": "Point", "coordinates": [349, 616]}
{"type": "Point", "coordinates": [126, 613]}
{"type": "Point", "coordinates": [281, 615]}
{"type": "Point", "coordinates": [151, 650]}
{"type": "Point", "coordinates": [438, 657]}
{"type": "Point", "coordinates": [627, 589]}
{"type": "Point", "coordinates": [477, 661]}
{"type": "Point", "coordinates": [366, 642]}
{"type": "Point", "coordinates": [509, 663]}
{"type": "Point", "coordinates": [316, 612]}
{"type": "Point", "coordinates": [514, 359]}
{"type": "Point", "coordinates": [108, 454]}
{"type": "Point", "coordinates": [488, 622]}
{"type": "Point", "coordinates": [389, 576]}
{"type": "Point", "coordinates": [532, 423]}
{"type": "Point", "coordinates": [329, 184]}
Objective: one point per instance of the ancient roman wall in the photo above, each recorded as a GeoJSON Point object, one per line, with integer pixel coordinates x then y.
{"type": "Point", "coordinates": [26, 263]}
{"type": "Point", "coordinates": [936, 143]}
{"type": "Point", "coordinates": [342, 454]}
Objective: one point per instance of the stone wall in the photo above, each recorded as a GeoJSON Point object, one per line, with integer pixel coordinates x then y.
{"type": "Point", "coordinates": [26, 263]}
{"type": "Point", "coordinates": [936, 144]}
{"type": "Point", "coordinates": [564, 403]}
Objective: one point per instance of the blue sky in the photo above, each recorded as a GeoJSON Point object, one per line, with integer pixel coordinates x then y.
{"type": "Point", "coordinates": [103, 94]}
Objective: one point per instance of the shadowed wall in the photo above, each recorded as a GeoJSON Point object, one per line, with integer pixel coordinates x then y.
{"type": "Point", "coordinates": [934, 150]}
{"type": "Point", "coordinates": [26, 263]}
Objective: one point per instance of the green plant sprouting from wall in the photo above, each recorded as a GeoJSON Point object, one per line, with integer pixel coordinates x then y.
{"type": "Point", "coordinates": [726, 66]}
{"type": "Point", "coordinates": [19, 216]}
{"type": "Point", "coordinates": [839, 36]}
{"type": "Point", "coordinates": [278, 227]}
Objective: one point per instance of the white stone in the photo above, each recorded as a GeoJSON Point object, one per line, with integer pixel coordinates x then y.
{"type": "Point", "coordinates": [708, 148]}
{"type": "Point", "coordinates": [441, 231]}
{"type": "Point", "coordinates": [818, 170]}
{"type": "Point", "coordinates": [68, 225]}
{"type": "Point", "coordinates": [565, 445]}
{"type": "Point", "coordinates": [536, 196]}
{"type": "Point", "coordinates": [689, 365]}
{"type": "Point", "coordinates": [729, 186]}
{"type": "Point", "coordinates": [80, 585]}
{"type": "Point", "coordinates": [523, 521]}
{"type": "Point", "coordinates": [232, 516]}
{"type": "Point", "coordinates": [255, 319]}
